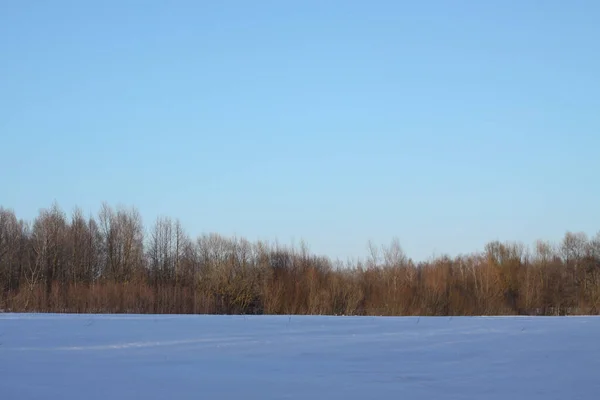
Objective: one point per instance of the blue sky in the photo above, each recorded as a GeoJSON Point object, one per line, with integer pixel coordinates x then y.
{"type": "Point", "coordinates": [446, 124]}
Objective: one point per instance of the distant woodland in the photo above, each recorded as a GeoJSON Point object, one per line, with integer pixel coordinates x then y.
{"type": "Point", "coordinates": [112, 263]}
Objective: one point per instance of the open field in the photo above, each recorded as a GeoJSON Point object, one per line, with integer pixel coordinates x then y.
{"type": "Point", "coordinates": [147, 357]}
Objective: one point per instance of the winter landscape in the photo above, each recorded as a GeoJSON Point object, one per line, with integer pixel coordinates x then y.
{"type": "Point", "coordinates": [299, 200]}
{"type": "Point", "coordinates": [53, 356]}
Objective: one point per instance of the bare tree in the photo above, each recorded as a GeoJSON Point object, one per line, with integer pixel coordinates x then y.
{"type": "Point", "coordinates": [160, 250]}
{"type": "Point", "coordinates": [393, 254]}
{"type": "Point", "coordinates": [11, 250]}
{"type": "Point", "coordinates": [49, 246]}
{"type": "Point", "coordinates": [373, 260]}
{"type": "Point", "coordinates": [573, 247]}
{"type": "Point", "coordinates": [104, 265]}
{"type": "Point", "coordinates": [122, 236]}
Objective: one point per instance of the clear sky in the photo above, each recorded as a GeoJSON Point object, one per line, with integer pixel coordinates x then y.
{"type": "Point", "coordinates": [444, 123]}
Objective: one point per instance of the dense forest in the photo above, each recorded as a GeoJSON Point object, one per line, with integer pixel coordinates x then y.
{"type": "Point", "coordinates": [108, 264]}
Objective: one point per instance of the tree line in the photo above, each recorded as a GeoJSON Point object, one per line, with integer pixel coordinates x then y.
{"type": "Point", "coordinates": [107, 263]}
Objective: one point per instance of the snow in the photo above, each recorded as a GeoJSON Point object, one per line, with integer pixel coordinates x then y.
{"type": "Point", "coordinates": [147, 357]}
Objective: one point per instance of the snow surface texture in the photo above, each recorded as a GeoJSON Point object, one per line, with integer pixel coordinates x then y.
{"type": "Point", "coordinates": [266, 357]}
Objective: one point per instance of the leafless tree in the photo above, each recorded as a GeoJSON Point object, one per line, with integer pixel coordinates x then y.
{"type": "Point", "coordinates": [122, 237]}
{"type": "Point", "coordinates": [50, 247]}
{"type": "Point", "coordinates": [393, 254]}
{"type": "Point", "coordinates": [107, 265]}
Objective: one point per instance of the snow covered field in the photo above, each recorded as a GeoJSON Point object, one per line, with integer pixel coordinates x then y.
{"type": "Point", "coordinates": [113, 357]}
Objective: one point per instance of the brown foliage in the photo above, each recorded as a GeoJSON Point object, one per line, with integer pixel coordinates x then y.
{"type": "Point", "coordinates": [107, 264]}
